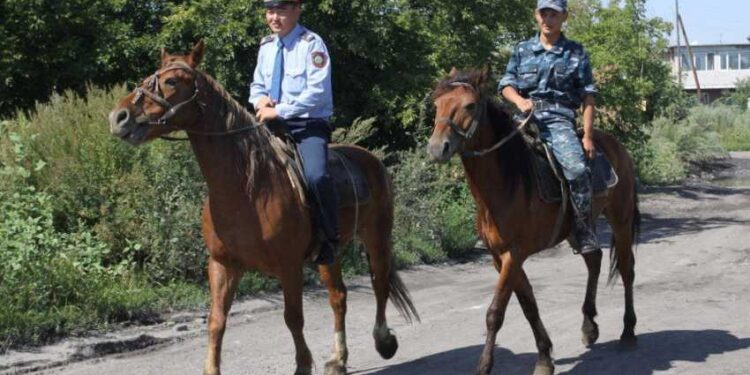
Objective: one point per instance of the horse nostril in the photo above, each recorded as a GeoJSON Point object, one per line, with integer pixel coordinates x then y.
{"type": "Point", "coordinates": [446, 148]}
{"type": "Point", "coordinates": [122, 117]}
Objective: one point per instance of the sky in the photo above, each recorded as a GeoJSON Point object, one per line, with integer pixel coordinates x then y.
{"type": "Point", "coordinates": [707, 21]}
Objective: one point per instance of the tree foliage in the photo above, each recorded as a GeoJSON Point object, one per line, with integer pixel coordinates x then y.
{"type": "Point", "coordinates": [386, 54]}
{"type": "Point", "coordinates": [626, 51]}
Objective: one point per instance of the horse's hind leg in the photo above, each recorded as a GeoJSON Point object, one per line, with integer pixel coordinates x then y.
{"type": "Point", "coordinates": [223, 280]}
{"type": "Point", "coordinates": [331, 276]}
{"type": "Point", "coordinates": [292, 283]}
{"type": "Point", "coordinates": [377, 241]}
{"type": "Point", "coordinates": [626, 266]}
{"type": "Point", "coordinates": [525, 295]}
{"type": "Point", "coordinates": [590, 329]}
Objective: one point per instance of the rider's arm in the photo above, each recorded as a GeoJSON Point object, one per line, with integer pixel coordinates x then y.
{"type": "Point", "coordinates": [588, 92]}
{"type": "Point", "coordinates": [508, 85]}
{"type": "Point", "coordinates": [258, 88]}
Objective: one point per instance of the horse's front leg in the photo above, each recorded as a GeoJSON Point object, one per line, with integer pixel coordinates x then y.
{"type": "Point", "coordinates": [292, 283]}
{"type": "Point", "coordinates": [509, 269]}
{"type": "Point", "coordinates": [589, 329]}
{"type": "Point", "coordinates": [223, 280]}
{"type": "Point", "coordinates": [331, 276]}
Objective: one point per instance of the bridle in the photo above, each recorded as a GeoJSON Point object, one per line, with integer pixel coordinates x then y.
{"type": "Point", "coordinates": [152, 90]}
{"type": "Point", "coordinates": [475, 119]}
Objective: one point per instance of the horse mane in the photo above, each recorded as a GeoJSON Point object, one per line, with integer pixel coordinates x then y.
{"type": "Point", "coordinates": [252, 149]}
{"type": "Point", "coordinates": [514, 156]}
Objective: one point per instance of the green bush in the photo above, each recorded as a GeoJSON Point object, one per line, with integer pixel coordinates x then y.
{"type": "Point", "coordinates": [434, 210]}
{"type": "Point", "coordinates": [144, 202]}
{"type": "Point", "coordinates": [54, 283]}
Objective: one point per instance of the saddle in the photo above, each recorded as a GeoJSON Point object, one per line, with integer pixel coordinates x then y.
{"type": "Point", "coordinates": [548, 173]}
{"type": "Point", "coordinates": [348, 178]}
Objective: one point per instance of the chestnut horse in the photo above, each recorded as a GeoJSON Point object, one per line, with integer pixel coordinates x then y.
{"type": "Point", "coordinates": [253, 218]}
{"type": "Point", "coordinates": [511, 217]}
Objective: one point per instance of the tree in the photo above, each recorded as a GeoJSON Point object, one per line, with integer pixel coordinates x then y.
{"type": "Point", "coordinates": [626, 50]}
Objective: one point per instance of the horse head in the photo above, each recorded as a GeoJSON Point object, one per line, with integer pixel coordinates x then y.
{"type": "Point", "coordinates": [165, 101]}
{"type": "Point", "coordinates": [460, 106]}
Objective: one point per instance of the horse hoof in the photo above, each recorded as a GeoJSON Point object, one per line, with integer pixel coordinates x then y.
{"type": "Point", "coordinates": [303, 371]}
{"type": "Point", "coordinates": [590, 332]}
{"type": "Point", "coordinates": [387, 346]}
{"type": "Point", "coordinates": [589, 338]}
{"type": "Point", "coordinates": [544, 369]}
{"type": "Point", "coordinates": [628, 341]}
{"type": "Point", "coordinates": [211, 372]}
{"type": "Point", "coordinates": [335, 368]}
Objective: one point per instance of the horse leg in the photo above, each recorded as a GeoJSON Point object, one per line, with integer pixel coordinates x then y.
{"type": "Point", "coordinates": [378, 245]}
{"type": "Point", "coordinates": [525, 295]}
{"type": "Point", "coordinates": [331, 276]}
{"type": "Point", "coordinates": [292, 283]}
{"type": "Point", "coordinates": [509, 270]}
{"type": "Point", "coordinates": [626, 266]}
{"type": "Point", "coordinates": [589, 329]}
{"type": "Point", "coordinates": [223, 279]}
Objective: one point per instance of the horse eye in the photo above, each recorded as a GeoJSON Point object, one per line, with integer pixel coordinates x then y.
{"type": "Point", "coordinates": [470, 107]}
{"type": "Point", "coordinates": [170, 82]}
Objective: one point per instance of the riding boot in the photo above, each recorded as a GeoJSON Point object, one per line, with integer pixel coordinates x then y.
{"type": "Point", "coordinates": [327, 254]}
{"type": "Point", "coordinates": [585, 237]}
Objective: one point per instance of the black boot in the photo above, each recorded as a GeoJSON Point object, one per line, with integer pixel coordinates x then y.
{"type": "Point", "coordinates": [327, 254]}
{"type": "Point", "coordinates": [586, 240]}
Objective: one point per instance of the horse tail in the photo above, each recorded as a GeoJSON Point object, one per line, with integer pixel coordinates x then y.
{"type": "Point", "coordinates": [635, 230]}
{"type": "Point", "coordinates": [401, 297]}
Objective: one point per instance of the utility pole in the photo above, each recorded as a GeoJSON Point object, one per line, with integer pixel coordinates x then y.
{"type": "Point", "coordinates": [677, 31]}
{"type": "Point", "coordinates": [690, 54]}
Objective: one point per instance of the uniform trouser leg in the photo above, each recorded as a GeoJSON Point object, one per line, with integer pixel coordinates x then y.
{"type": "Point", "coordinates": [568, 151]}
{"type": "Point", "coordinates": [313, 139]}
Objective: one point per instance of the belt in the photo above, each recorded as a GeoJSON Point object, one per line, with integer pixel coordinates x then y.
{"type": "Point", "coordinates": [546, 105]}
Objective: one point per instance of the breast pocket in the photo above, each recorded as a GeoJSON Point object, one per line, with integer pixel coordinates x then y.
{"type": "Point", "coordinates": [294, 79]}
{"type": "Point", "coordinates": [565, 73]}
{"type": "Point", "coordinates": [527, 77]}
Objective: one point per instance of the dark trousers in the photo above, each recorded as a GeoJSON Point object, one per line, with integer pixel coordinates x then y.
{"type": "Point", "coordinates": [312, 137]}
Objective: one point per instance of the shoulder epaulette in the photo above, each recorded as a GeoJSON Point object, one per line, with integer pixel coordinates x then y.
{"type": "Point", "coordinates": [267, 39]}
{"type": "Point", "coordinates": [307, 36]}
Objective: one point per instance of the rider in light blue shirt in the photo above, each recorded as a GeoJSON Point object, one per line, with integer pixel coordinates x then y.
{"type": "Point", "coordinates": [306, 84]}
{"type": "Point", "coordinates": [292, 84]}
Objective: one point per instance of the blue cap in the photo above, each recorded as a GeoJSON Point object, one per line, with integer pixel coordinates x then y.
{"type": "Point", "coordinates": [558, 5]}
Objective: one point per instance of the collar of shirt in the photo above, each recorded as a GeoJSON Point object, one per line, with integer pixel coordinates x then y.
{"type": "Point", "coordinates": [293, 35]}
{"type": "Point", "coordinates": [557, 48]}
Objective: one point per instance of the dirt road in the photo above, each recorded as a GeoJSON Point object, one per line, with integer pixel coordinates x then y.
{"type": "Point", "coordinates": [692, 297]}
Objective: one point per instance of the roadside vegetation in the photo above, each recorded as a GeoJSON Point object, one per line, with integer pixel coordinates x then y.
{"type": "Point", "coordinates": [94, 232]}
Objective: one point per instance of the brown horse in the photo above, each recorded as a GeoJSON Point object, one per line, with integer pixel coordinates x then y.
{"type": "Point", "coordinates": [253, 218]}
{"type": "Point", "coordinates": [511, 217]}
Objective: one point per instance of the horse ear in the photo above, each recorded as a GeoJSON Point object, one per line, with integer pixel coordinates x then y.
{"type": "Point", "coordinates": [164, 55]}
{"type": "Point", "coordinates": [196, 55]}
{"type": "Point", "coordinates": [453, 72]}
{"type": "Point", "coordinates": [483, 76]}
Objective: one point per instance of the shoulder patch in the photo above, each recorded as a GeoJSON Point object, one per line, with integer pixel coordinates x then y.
{"type": "Point", "coordinates": [319, 59]}
{"type": "Point", "coordinates": [267, 39]}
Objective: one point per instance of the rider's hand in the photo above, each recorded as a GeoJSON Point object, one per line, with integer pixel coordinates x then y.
{"type": "Point", "coordinates": [264, 102]}
{"type": "Point", "coordinates": [525, 105]}
{"type": "Point", "coordinates": [266, 114]}
{"type": "Point", "coordinates": [589, 149]}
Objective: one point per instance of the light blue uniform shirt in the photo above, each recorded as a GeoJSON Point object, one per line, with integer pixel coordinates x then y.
{"type": "Point", "coordinates": [306, 84]}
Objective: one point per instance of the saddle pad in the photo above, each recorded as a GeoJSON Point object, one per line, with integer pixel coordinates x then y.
{"type": "Point", "coordinates": [348, 178]}
{"type": "Point", "coordinates": [602, 176]}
